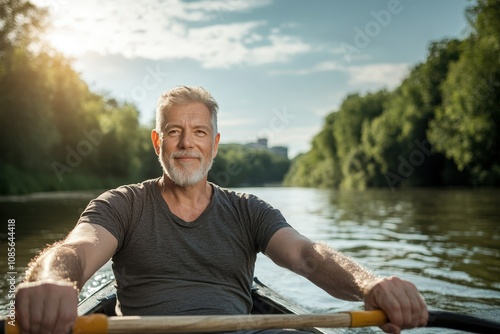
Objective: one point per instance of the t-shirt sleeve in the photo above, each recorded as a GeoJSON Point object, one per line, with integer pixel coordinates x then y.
{"type": "Point", "coordinates": [111, 210]}
{"type": "Point", "coordinates": [266, 221]}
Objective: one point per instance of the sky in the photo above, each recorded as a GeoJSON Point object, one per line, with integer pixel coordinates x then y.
{"type": "Point", "coordinates": [275, 67]}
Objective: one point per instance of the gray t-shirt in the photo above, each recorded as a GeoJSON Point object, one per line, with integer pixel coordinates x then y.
{"type": "Point", "coordinates": [164, 265]}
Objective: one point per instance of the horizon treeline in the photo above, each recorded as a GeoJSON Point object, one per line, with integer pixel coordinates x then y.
{"type": "Point", "coordinates": [440, 127]}
{"type": "Point", "coordinates": [57, 134]}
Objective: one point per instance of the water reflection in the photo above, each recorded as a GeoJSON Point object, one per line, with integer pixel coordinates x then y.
{"type": "Point", "coordinates": [40, 219]}
{"type": "Point", "coordinates": [445, 241]}
{"type": "Point", "coordinates": [457, 231]}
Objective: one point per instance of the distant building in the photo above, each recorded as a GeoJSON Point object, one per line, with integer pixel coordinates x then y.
{"type": "Point", "coordinates": [261, 143]}
{"type": "Point", "coordinates": [280, 150]}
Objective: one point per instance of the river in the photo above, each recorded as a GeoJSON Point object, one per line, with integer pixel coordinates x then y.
{"type": "Point", "coordinates": [446, 241]}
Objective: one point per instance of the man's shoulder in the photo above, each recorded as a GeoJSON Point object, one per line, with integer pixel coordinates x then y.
{"type": "Point", "coordinates": [131, 190]}
{"type": "Point", "coordinates": [234, 196]}
{"type": "Point", "coordinates": [146, 185]}
{"type": "Point", "coordinates": [229, 193]}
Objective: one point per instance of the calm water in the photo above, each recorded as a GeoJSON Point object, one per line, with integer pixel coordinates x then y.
{"type": "Point", "coordinates": [445, 241]}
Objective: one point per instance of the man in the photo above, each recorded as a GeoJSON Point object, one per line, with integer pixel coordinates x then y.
{"type": "Point", "coordinates": [182, 245]}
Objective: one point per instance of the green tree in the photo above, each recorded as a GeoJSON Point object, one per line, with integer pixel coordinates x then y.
{"type": "Point", "coordinates": [240, 165]}
{"type": "Point", "coordinates": [48, 113]}
{"type": "Point", "coordinates": [439, 127]}
{"type": "Point", "coordinates": [150, 166]}
{"type": "Point", "coordinates": [319, 167]}
{"type": "Point", "coordinates": [20, 25]}
{"type": "Point", "coordinates": [397, 140]}
{"type": "Point", "coordinates": [355, 113]}
{"type": "Point", "coordinates": [28, 129]}
{"type": "Point", "coordinates": [466, 127]}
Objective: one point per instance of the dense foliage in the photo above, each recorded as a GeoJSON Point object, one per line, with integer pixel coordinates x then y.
{"type": "Point", "coordinates": [57, 134]}
{"type": "Point", "coordinates": [240, 165]}
{"type": "Point", "coordinates": [440, 127]}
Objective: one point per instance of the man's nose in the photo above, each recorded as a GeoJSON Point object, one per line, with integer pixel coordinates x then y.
{"type": "Point", "coordinates": [186, 140]}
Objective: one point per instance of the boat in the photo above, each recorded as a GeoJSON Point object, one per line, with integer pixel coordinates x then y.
{"type": "Point", "coordinates": [265, 301]}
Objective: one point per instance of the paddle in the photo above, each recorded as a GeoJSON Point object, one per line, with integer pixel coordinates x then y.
{"type": "Point", "coordinates": [99, 323]}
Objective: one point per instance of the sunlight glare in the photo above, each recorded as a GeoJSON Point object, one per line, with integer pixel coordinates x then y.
{"type": "Point", "coordinates": [65, 42]}
{"type": "Point", "coordinates": [77, 28]}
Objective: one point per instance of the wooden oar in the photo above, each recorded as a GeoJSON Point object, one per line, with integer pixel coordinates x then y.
{"type": "Point", "coordinates": [100, 324]}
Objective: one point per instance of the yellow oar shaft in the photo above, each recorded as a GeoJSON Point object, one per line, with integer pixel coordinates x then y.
{"type": "Point", "coordinates": [97, 323]}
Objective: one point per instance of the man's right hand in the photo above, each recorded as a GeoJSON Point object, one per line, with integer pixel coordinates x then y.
{"type": "Point", "coordinates": [46, 306]}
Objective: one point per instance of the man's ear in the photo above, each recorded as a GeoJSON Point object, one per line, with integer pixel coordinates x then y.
{"type": "Point", "coordinates": [216, 145]}
{"type": "Point", "coordinates": [155, 138]}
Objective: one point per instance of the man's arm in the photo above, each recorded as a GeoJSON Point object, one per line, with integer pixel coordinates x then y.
{"type": "Point", "coordinates": [47, 300]}
{"type": "Point", "coordinates": [343, 278]}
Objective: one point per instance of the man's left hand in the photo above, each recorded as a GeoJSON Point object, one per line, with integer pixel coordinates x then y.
{"type": "Point", "coordinates": [401, 302]}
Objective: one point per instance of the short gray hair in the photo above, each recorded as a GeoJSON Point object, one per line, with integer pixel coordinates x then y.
{"type": "Point", "coordinates": [185, 95]}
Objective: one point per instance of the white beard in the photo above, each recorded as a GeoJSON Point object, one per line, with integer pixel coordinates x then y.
{"type": "Point", "coordinates": [185, 175]}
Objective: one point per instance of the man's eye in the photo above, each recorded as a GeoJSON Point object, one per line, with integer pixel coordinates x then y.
{"type": "Point", "coordinates": [201, 133]}
{"type": "Point", "coordinates": [173, 132]}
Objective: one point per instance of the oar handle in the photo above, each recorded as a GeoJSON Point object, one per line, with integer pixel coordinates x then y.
{"type": "Point", "coordinates": [100, 324]}
{"type": "Point", "coordinates": [367, 318]}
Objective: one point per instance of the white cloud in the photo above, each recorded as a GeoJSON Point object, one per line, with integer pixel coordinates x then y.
{"type": "Point", "coordinates": [326, 66]}
{"type": "Point", "coordinates": [219, 7]}
{"type": "Point", "coordinates": [386, 75]}
{"type": "Point", "coordinates": [171, 29]}
{"type": "Point", "coordinates": [382, 75]}
{"type": "Point", "coordinates": [223, 46]}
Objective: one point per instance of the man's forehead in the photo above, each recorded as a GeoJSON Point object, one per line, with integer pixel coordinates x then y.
{"type": "Point", "coordinates": [198, 109]}
{"type": "Point", "coordinates": [192, 116]}
{"type": "Point", "coordinates": [191, 123]}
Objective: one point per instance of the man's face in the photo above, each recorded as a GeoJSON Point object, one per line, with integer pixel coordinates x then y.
{"type": "Point", "coordinates": [187, 145]}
